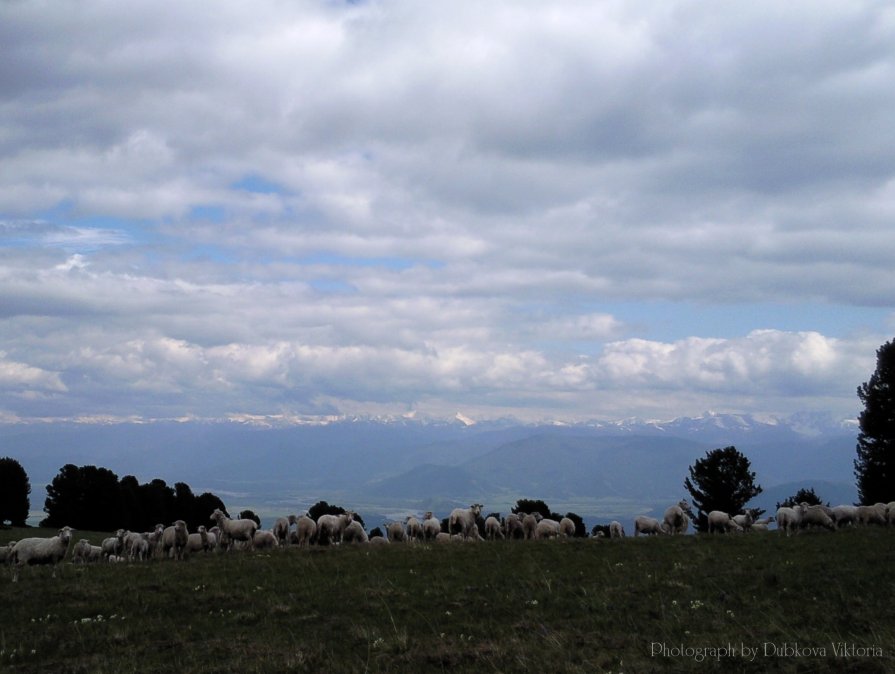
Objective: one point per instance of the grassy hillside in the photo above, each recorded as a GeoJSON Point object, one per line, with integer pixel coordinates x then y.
{"type": "Point", "coordinates": [575, 606]}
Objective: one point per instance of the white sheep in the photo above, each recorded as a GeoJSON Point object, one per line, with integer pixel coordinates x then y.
{"type": "Point", "coordinates": [431, 526]}
{"type": "Point", "coordinates": [815, 516]}
{"type": "Point", "coordinates": [379, 540]}
{"type": "Point", "coordinates": [281, 528]}
{"type": "Point", "coordinates": [84, 553]}
{"type": "Point", "coordinates": [264, 540]}
{"type": "Point", "coordinates": [330, 527]}
{"type": "Point", "coordinates": [567, 528]}
{"type": "Point", "coordinates": [354, 533]}
{"type": "Point", "coordinates": [413, 529]}
{"type": "Point", "coordinates": [648, 526]}
{"type": "Point", "coordinates": [513, 526]}
{"type": "Point", "coordinates": [676, 518]}
{"type": "Point", "coordinates": [174, 539]}
{"type": "Point", "coordinates": [844, 515]}
{"type": "Point", "coordinates": [40, 551]}
{"type": "Point", "coordinates": [492, 528]}
{"type": "Point", "coordinates": [113, 545]}
{"type": "Point", "coordinates": [720, 521]}
{"type": "Point", "coordinates": [464, 520]}
{"type": "Point", "coordinates": [395, 532]}
{"type": "Point", "coordinates": [443, 537]}
{"type": "Point", "coordinates": [761, 525]}
{"type": "Point", "coordinates": [198, 542]}
{"type": "Point", "coordinates": [235, 530]}
{"type": "Point", "coordinates": [305, 531]}
{"type": "Point", "coordinates": [744, 521]}
{"type": "Point", "coordinates": [872, 514]}
{"type": "Point", "coordinates": [616, 530]}
{"type": "Point", "coordinates": [530, 524]}
{"type": "Point", "coordinates": [6, 552]}
{"type": "Point", "coordinates": [547, 528]}
{"type": "Point", "coordinates": [788, 519]}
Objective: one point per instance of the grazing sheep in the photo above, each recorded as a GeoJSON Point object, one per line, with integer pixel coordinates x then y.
{"type": "Point", "coordinates": [788, 519]}
{"type": "Point", "coordinates": [815, 516]}
{"type": "Point", "coordinates": [395, 532]}
{"type": "Point", "coordinates": [40, 551]}
{"type": "Point", "coordinates": [234, 530]}
{"type": "Point", "coordinates": [431, 527]}
{"type": "Point", "coordinates": [492, 528]}
{"type": "Point", "coordinates": [547, 529]}
{"type": "Point", "coordinates": [84, 553]}
{"type": "Point", "coordinates": [616, 530]}
{"type": "Point", "coordinates": [744, 521]}
{"type": "Point", "coordinates": [648, 526]}
{"type": "Point", "coordinates": [281, 528]}
{"type": "Point", "coordinates": [113, 545]}
{"type": "Point", "coordinates": [566, 528]}
{"type": "Point", "coordinates": [761, 525]}
{"type": "Point", "coordinates": [305, 531]}
{"type": "Point", "coordinates": [6, 552]}
{"type": "Point", "coordinates": [354, 533]}
{"type": "Point", "coordinates": [720, 521]}
{"type": "Point", "coordinates": [379, 540]}
{"type": "Point", "coordinates": [676, 519]}
{"type": "Point", "coordinates": [264, 540]}
{"type": "Point", "coordinates": [443, 537]}
{"type": "Point", "coordinates": [330, 528]}
{"type": "Point", "coordinates": [872, 514]}
{"type": "Point", "coordinates": [174, 540]}
{"type": "Point", "coordinates": [513, 526]}
{"type": "Point", "coordinates": [530, 524]}
{"type": "Point", "coordinates": [464, 521]}
{"type": "Point", "coordinates": [844, 515]}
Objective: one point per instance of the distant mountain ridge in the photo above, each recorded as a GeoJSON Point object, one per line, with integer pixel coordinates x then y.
{"type": "Point", "coordinates": [394, 465]}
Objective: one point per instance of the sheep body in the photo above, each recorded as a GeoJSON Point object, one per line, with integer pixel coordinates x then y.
{"type": "Point", "coordinates": [174, 539]}
{"type": "Point", "coordinates": [40, 551]}
{"type": "Point", "coordinates": [465, 520]}
{"type": "Point", "coordinates": [84, 553]}
{"type": "Point", "coordinates": [788, 519]}
{"type": "Point", "coordinates": [718, 520]}
{"type": "Point", "coordinates": [676, 518]}
{"type": "Point", "coordinates": [354, 533]}
{"type": "Point", "coordinates": [305, 531]}
{"type": "Point", "coordinates": [547, 529]}
{"type": "Point", "coordinates": [431, 527]}
{"type": "Point", "coordinates": [239, 530]}
{"type": "Point", "coordinates": [492, 528]}
{"type": "Point", "coordinates": [413, 530]}
{"type": "Point", "coordinates": [567, 527]}
{"type": "Point", "coordinates": [815, 515]}
{"type": "Point", "coordinates": [647, 526]}
{"type": "Point", "coordinates": [616, 530]}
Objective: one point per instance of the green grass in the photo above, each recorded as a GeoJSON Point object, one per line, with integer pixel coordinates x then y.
{"type": "Point", "coordinates": [575, 606]}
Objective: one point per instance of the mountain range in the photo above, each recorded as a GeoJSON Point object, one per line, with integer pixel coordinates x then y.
{"type": "Point", "coordinates": [385, 468]}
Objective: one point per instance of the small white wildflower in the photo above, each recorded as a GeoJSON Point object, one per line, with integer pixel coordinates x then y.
{"type": "Point", "coordinates": [448, 613]}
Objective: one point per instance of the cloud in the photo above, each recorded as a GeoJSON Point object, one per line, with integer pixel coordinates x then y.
{"type": "Point", "coordinates": [334, 206]}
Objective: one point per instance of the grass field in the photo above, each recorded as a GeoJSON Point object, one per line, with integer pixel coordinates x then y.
{"type": "Point", "coordinates": [634, 605]}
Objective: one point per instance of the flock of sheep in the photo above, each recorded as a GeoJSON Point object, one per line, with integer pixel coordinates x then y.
{"type": "Point", "coordinates": [463, 524]}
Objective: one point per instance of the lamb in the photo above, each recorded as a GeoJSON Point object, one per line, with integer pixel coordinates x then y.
{"type": "Point", "coordinates": [547, 529]}
{"type": "Point", "coordinates": [174, 539]}
{"type": "Point", "coordinates": [676, 519]}
{"type": "Point", "coordinates": [281, 528]}
{"type": "Point", "coordinates": [616, 530]}
{"type": "Point", "coordinates": [413, 529]}
{"type": "Point", "coordinates": [354, 533]}
{"type": "Point", "coordinates": [744, 521]}
{"type": "Point", "coordinates": [443, 537]}
{"type": "Point", "coordinates": [788, 519]}
{"type": "Point", "coordinates": [395, 531]}
{"type": "Point", "coordinates": [305, 531]}
{"type": "Point", "coordinates": [492, 528]}
{"type": "Point", "coordinates": [464, 519]}
{"type": "Point", "coordinates": [431, 527]}
{"type": "Point", "coordinates": [761, 525]}
{"type": "Point", "coordinates": [235, 530]}
{"type": "Point", "coordinates": [379, 540]}
{"type": "Point", "coordinates": [718, 520]}
{"type": "Point", "coordinates": [83, 552]}
{"type": "Point", "coordinates": [566, 528]}
{"type": "Point", "coordinates": [648, 526]}
{"type": "Point", "coordinates": [40, 551]}
{"type": "Point", "coordinates": [815, 515]}
{"type": "Point", "coordinates": [330, 527]}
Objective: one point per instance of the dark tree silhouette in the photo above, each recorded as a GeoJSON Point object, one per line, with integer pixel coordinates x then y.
{"type": "Point", "coordinates": [802, 496]}
{"type": "Point", "coordinates": [720, 481]}
{"type": "Point", "coordinates": [532, 506]}
{"type": "Point", "coordinates": [875, 465]}
{"type": "Point", "coordinates": [84, 497]}
{"type": "Point", "coordinates": [14, 491]}
{"type": "Point", "coordinates": [250, 515]}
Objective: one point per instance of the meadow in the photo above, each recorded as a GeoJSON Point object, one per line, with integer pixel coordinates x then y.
{"type": "Point", "coordinates": [815, 602]}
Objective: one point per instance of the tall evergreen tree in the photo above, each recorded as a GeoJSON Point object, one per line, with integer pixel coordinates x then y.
{"type": "Point", "coordinates": [84, 497]}
{"type": "Point", "coordinates": [14, 491]}
{"type": "Point", "coordinates": [720, 481]}
{"type": "Point", "coordinates": [875, 465]}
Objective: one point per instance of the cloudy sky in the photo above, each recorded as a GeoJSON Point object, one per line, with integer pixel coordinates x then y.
{"type": "Point", "coordinates": [557, 210]}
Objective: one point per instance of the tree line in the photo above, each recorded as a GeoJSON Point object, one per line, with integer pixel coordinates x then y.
{"type": "Point", "coordinates": [92, 498]}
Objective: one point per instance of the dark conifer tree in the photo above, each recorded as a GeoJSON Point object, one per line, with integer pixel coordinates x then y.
{"type": "Point", "coordinates": [720, 481]}
{"type": "Point", "coordinates": [875, 465]}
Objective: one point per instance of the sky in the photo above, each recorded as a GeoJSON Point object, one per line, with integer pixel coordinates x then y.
{"type": "Point", "coordinates": [551, 211]}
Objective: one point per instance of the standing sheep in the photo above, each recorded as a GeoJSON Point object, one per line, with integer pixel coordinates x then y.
{"type": "Point", "coordinates": [174, 540]}
{"type": "Point", "coordinates": [567, 528]}
{"type": "Point", "coordinates": [513, 526]}
{"type": "Point", "coordinates": [413, 529]}
{"type": "Point", "coordinates": [815, 516]}
{"type": "Point", "coordinates": [197, 542]}
{"type": "Point", "coordinates": [547, 529]}
{"type": "Point", "coordinates": [40, 551]}
{"type": "Point", "coordinates": [464, 520]}
{"type": "Point", "coordinates": [113, 545]}
{"type": "Point", "coordinates": [844, 515]}
{"type": "Point", "coordinates": [395, 532]}
{"type": "Point", "coordinates": [431, 527]}
{"type": "Point", "coordinates": [281, 528]}
{"type": "Point", "coordinates": [530, 525]}
{"type": "Point", "coordinates": [330, 528]}
{"type": "Point", "coordinates": [305, 531]}
{"type": "Point", "coordinates": [788, 519]}
{"type": "Point", "coordinates": [616, 530]}
{"type": "Point", "coordinates": [264, 540]}
{"type": "Point", "coordinates": [720, 521]}
{"type": "Point", "coordinates": [492, 528]}
{"type": "Point", "coordinates": [354, 533]}
{"type": "Point", "coordinates": [648, 526]}
{"type": "Point", "coordinates": [872, 514]}
{"type": "Point", "coordinates": [84, 553]}
{"type": "Point", "coordinates": [676, 519]}
{"type": "Point", "coordinates": [235, 530]}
